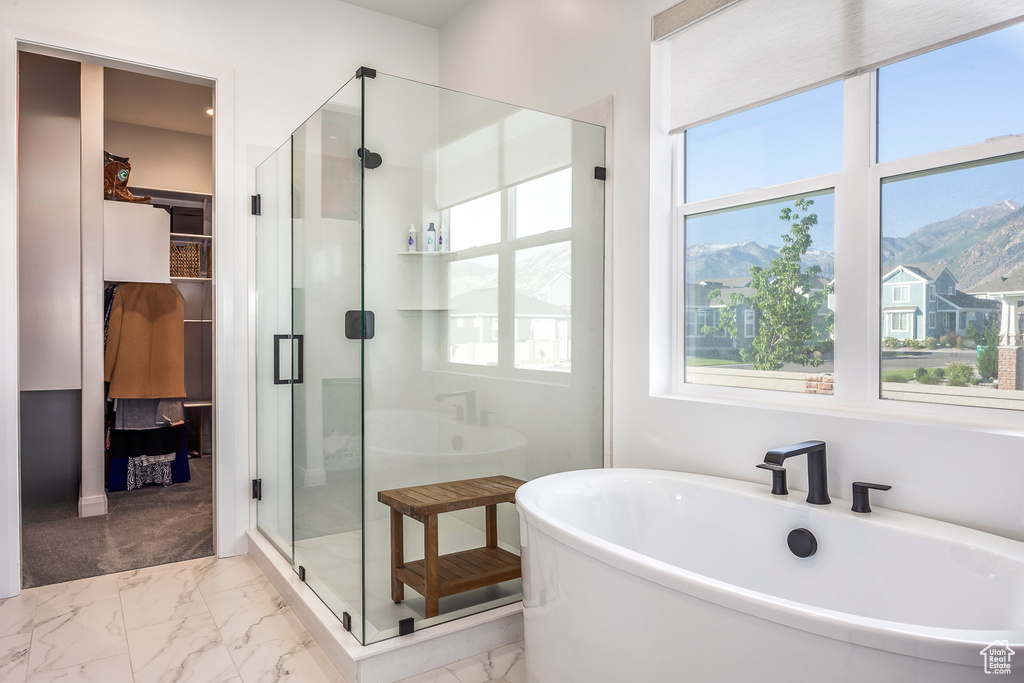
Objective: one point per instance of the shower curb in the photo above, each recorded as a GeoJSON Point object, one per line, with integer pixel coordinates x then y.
{"type": "Point", "coordinates": [396, 658]}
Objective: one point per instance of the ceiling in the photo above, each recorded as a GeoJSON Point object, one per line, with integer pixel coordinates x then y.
{"type": "Point", "coordinates": [433, 13]}
{"type": "Point", "coordinates": [145, 100]}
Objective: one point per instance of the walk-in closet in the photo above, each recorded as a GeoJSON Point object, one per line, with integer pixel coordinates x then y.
{"type": "Point", "coordinates": [116, 316]}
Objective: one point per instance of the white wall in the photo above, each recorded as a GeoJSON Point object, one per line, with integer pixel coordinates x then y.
{"type": "Point", "coordinates": [276, 64]}
{"type": "Point", "coordinates": [163, 159]}
{"type": "Point", "coordinates": [560, 56]}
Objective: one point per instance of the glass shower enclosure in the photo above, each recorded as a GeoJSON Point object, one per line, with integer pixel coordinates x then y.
{"type": "Point", "coordinates": [429, 308]}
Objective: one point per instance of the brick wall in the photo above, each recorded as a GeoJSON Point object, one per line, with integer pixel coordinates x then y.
{"type": "Point", "coordinates": [819, 384]}
{"type": "Point", "coordinates": [1010, 375]}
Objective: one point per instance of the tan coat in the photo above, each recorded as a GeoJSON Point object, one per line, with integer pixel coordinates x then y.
{"type": "Point", "coordinates": [145, 354]}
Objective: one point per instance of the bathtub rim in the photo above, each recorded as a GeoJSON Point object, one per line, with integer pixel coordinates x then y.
{"type": "Point", "coordinates": [954, 646]}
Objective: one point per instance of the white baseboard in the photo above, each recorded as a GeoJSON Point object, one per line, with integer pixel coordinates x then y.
{"type": "Point", "coordinates": [92, 506]}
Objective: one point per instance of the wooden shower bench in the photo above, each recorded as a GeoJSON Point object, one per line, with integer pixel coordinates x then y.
{"type": "Point", "coordinates": [436, 577]}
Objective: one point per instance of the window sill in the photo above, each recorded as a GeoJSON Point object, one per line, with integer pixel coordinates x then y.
{"type": "Point", "coordinates": [988, 420]}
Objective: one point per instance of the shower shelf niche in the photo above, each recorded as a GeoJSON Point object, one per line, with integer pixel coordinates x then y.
{"type": "Point", "coordinates": [413, 310]}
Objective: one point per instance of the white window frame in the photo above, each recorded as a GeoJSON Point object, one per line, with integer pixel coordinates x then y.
{"type": "Point", "coordinates": [858, 322]}
{"type": "Point", "coordinates": [506, 249]}
{"type": "Point", "coordinates": [900, 294]}
{"type": "Point", "coordinates": [931, 293]}
{"type": "Point", "coordinates": [748, 323]}
{"type": "Point", "coordinates": [932, 321]}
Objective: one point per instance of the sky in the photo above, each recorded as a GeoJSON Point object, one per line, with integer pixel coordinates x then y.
{"type": "Point", "coordinates": [962, 94]}
{"type": "Point", "coordinates": [762, 225]}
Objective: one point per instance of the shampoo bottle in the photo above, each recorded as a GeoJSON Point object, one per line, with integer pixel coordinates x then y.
{"type": "Point", "coordinates": [431, 238]}
{"type": "Point", "coordinates": [412, 237]}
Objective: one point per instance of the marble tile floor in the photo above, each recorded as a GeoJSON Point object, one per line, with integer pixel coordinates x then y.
{"type": "Point", "coordinates": [200, 621]}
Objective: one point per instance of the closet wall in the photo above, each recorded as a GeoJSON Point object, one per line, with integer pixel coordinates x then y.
{"type": "Point", "coordinates": [69, 112]}
{"type": "Point", "coordinates": [50, 364]}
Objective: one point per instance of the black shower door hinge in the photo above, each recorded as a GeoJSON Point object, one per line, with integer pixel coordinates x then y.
{"type": "Point", "coordinates": [257, 489]}
{"type": "Point", "coordinates": [366, 71]}
{"type": "Point", "coordinates": [257, 205]}
{"type": "Point", "coordinates": [600, 173]}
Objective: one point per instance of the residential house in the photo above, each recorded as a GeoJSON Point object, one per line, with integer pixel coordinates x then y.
{"type": "Point", "coordinates": [702, 311]}
{"type": "Point", "coordinates": [542, 329]}
{"type": "Point", "coordinates": [921, 300]}
{"type": "Point", "coordinates": [1008, 291]}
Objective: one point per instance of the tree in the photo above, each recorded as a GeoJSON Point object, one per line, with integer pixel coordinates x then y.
{"type": "Point", "coordinates": [988, 359]}
{"type": "Point", "coordinates": [786, 304]}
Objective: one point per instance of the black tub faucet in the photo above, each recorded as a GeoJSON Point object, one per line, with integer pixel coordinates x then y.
{"type": "Point", "coordinates": [861, 491]}
{"type": "Point", "coordinates": [470, 396]}
{"type": "Point", "coordinates": [817, 471]}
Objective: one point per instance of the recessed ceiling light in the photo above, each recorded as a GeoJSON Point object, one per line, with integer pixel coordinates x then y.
{"type": "Point", "coordinates": [210, 111]}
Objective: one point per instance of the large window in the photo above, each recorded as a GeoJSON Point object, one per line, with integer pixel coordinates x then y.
{"type": "Point", "coordinates": [510, 272]}
{"type": "Point", "coordinates": [757, 266]}
{"type": "Point", "coordinates": [766, 197]}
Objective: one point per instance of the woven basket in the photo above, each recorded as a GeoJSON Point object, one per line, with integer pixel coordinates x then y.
{"type": "Point", "coordinates": [184, 259]}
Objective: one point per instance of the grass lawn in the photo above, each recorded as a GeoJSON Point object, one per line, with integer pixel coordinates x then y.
{"type": "Point", "coordinates": [902, 375]}
{"type": "Point", "coordinates": [704, 362]}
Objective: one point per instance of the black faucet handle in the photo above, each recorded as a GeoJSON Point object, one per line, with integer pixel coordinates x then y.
{"type": "Point", "coordinates": [861, 494]}
{"type": "Point", "coordinates": [778, 478]}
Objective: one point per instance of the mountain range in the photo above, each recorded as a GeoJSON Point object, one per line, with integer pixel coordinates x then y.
{"type": "Point", "coordinates": [977, 245]}
{"type": "Point", "coordinates": [709, 261]}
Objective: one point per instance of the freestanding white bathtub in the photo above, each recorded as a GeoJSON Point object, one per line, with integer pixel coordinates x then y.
{"type": "Point", "coordinates": [646, 576]}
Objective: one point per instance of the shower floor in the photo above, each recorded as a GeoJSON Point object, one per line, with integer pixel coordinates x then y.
{"type": "Point", "coordinates": [333, 571]}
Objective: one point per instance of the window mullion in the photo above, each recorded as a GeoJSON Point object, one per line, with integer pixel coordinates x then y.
{"type": "Point", "coordinates": [763, 195]}
{"type": "Point", "coordinates": [856, 256]}
{"type": "Point", "coordinates": [506, 283]}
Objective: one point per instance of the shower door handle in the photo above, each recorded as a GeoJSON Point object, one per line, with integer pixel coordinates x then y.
{"type": "Point", "coordinates": [278, 338]}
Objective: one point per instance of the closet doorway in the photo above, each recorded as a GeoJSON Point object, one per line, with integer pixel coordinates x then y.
{"type": "Point", "coordinates": [116, 316]}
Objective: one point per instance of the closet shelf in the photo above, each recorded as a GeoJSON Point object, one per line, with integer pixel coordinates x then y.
{"type": "Point", "coordinates": [168, 193]}
{"type": "Point", "coordinates": [190, 236]}
{"type": "Point", "coordinates": [197, 320]}
{"type": "Point", "coordinates": [191, 279]}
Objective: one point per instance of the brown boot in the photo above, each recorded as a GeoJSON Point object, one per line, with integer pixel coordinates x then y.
{"type": "Point", "coordinates": [115, 181]}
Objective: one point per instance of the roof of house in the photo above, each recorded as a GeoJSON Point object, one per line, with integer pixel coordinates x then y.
{"type": "Point", "coordinates": [1011, 282]}
{"type": "Point", "coordinates": [820, 282]}
{"type": "Point", "coordinates": [727, 282]}
{"type": "Point", "coordinates": [927, 271]}
{"type": "Point", "coordinates": [963, 300]}
{"type": "Point", "coordinates": [697, 292]}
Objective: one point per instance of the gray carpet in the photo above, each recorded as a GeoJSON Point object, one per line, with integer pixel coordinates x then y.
{"type": "Point", "coordinates": [149, 526]}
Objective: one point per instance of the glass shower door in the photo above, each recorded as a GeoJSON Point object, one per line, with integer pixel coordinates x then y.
{"type": "Point", "coordinates": [273, 349]}
{"type": "Point", "coordinates": [326, 286]}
